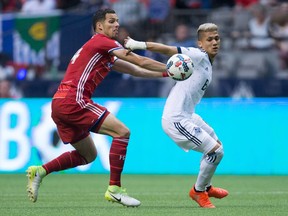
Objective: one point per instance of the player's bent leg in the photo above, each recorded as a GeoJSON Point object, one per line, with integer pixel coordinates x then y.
{"type": "Point", "coordinates": [208, 166]}
{"type": "Point", "coordinates": [211, 190]}
{"type": "Point", "coordinates": [86, 149]}
{"type": "Point", "coordinates": [119, 195]}
{"type": "Point", "coordinates": [115, 128]}
{"type": "Point", "coordinates": [35, 175]}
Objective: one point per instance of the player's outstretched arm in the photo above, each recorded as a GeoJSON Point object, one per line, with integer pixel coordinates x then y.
{"type": "Point", "coordinates": [141, 61]}
{"type": "Point", "coordinates": [132, 44]}
{"type": "Point", "coordinates": [134, 70]}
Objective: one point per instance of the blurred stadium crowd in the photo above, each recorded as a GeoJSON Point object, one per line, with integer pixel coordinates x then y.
{"type": "Point", "coordinates": [253, 61]}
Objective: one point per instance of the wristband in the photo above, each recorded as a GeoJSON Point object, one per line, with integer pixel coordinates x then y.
{"type": "Point", "coordinates": [133, 44]}
{"type": "Point", "coordinates": [165, 74]}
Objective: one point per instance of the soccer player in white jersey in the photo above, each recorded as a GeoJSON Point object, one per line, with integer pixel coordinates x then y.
{"type": "Point", "coordinates": [179, 120]}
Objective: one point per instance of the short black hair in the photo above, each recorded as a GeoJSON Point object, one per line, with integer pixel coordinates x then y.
{"type": "Point", "coordinates": [100, 15]}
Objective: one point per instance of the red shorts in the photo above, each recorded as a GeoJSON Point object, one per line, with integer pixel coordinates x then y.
{"type": "Point", "coordinates": [74, 122]}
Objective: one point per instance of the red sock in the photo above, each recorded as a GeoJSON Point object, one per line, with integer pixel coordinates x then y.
{"type": "Point", "coordinates": [65, 161]}
{"type": "Point", "coordinates": [117, 159]}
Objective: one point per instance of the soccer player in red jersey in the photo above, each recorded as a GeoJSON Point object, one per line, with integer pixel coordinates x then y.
{"type": "Point", "coordinates": [76, 115]}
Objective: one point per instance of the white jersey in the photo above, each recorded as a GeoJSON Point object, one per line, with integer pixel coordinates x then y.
{"type": "Point", "coordinates": [186, 94]}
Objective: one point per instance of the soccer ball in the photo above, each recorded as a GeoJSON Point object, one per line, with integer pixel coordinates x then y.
{"type": "Point", "coordinates": [180, 67]}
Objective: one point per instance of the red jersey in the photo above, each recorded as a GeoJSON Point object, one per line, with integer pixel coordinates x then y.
{"type": "Point", "coordinates": [87, 68]}
{"type": "Point", "coordinates": [73, 111]}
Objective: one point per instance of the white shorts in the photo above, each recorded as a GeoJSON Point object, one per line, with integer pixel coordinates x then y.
{"type": "Point", "coordinates": [191, 134]}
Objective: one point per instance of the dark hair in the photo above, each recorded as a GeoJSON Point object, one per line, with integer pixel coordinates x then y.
{"type": "Point", "coordinates": [100, 15]}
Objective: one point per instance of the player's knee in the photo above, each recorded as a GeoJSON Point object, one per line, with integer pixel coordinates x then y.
{"type": "Point", "coordinates": [216, 156]}
{"type": "Point", "coordinates": [90, 157]}
{"type": "Point", "coordinates": [124, 132]}
{"type": "Point", "coordinates": [89, 154]}
{"type": "Point", "coordinates": [213, 135]}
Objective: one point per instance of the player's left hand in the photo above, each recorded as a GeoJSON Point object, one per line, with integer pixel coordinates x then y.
{"type": "Point", "coordinates": [131, 44]}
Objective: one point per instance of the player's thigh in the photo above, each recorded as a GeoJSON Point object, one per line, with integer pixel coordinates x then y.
{"type": "Point", "coordinates": [86, 148]}
{"type": "Point", "coordinates": [201, 123]}
{"type": "Point", "coordinates": [114, 127]}
{"type": "Point", "coordinates": [197, 138]}
{"type": "Point", "coordinates": [189, 136]}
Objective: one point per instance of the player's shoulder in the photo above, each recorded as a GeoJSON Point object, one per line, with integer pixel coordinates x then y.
{"type": "Point", "coordinates": [104, 39]}
{"type": "Point", "coordinates": [103, 42]}
{"type": "Point", "coordinates": [194, 53]}
{"type": "Point", "coordinates": [100, 38]}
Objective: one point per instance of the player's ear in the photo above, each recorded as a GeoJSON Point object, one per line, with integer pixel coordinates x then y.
{"type": "Point", "coordinates": [99, 26]}
{"type": "Point", "coordinates": [199, 44]}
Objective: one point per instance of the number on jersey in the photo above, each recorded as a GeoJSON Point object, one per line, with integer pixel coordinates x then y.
{"type": "Point", "coordinates": [75, 56]}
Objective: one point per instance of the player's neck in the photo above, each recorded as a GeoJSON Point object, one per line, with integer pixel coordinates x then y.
{"type": "Point", "coordinates": [211, 59]}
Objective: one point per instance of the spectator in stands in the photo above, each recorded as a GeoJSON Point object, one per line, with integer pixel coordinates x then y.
{"type": "Point", "coordinates": [245, 15]}
{"type": "Point", "coordinates": [279, 31]}
{"type": "Point", "coordinates": [260, 40]}
{"type": "Point", "coordinates": [270, 3]}
{"type": "Point", "coordinates": [38, 6]}
{"type": "Point", "coordinates": [251, 32]}
{"type": "Point", "coordinates": [158, 16]}
{"type": "Point", "coordinates": [188, 4]}
{"type": "Point", "coordinates": [259, 28]}
{"type": "Point", "coordinates": [91, 5]}
{"type": "Point", "coordinates": [7, 74]}
{"type": "Point", "coordinates": [6, 66]}
{"type": "Point", "coordinates": [130, 12]}
{"type": "Point", "coordinates": [245, 3]}
{"type": "Point", "coordinates": [240, 19]}
{"type": "Point", "coordinates": [10, 5]}
{"type": "Point", "coordinates": [159, 10]}
{"type": "Point", "coordinates": [5, 87]}
{"type": "Point", "coordinates": [182, 36]}
{"type": "Point", "coordinates": [223, 3]}
{"type": "Point", "coordinates": [67, 4]}
{"type": "Point", "coordinates": [8, 90]}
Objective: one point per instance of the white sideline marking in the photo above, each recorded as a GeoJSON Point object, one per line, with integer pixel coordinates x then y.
{"type": "Point", "coordinates": [261, 193]}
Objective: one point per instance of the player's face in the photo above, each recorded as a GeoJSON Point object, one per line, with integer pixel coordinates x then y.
{"type": "Point", "coordinates": [210, 42]}
{"type": "Point", "coordinates": [109, 26]}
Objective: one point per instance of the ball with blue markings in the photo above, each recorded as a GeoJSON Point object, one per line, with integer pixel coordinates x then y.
{"type": "Point", "coordinates": [180, 67]}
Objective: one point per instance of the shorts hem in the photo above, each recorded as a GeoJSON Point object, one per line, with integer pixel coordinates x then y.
{"type": "Point", "coordinates": [95, 128]}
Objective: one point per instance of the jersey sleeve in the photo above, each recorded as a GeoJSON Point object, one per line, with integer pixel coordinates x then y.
{"type": "Point", "coordinates": [110, 45]}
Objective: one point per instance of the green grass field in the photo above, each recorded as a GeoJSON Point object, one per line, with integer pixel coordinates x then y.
{"type": "Point", "coordinates": [161, 195]}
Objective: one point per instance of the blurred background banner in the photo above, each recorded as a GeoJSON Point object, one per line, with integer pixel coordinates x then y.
{"type": "Point", "coordinates": [7, 23]}
{"type": "Point", "coordinates": [253, 133]}
{"type": "Point", "coordinates": [37, 43]}
{"type": "Point", "coordinates": [36, 39]}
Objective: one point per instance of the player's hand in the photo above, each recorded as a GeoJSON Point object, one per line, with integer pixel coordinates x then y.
{"type": "Point", "coordinates": [131, 44]}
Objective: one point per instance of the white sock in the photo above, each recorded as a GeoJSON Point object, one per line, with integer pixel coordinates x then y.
{"type": "Point", "coordinates": [208, 166]}
{"type": "Point", "coordinates": [205, 175]}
